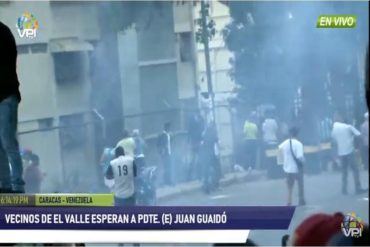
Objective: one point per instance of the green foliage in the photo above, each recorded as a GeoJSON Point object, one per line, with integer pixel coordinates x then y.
{"type": "Point", "coordinates": [211, 27]}
{"type": "Point", "coordinates": [279, 50]}
{"type": "Point", "coordinates": [257, 65]}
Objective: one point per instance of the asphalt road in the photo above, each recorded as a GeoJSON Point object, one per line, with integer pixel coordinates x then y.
{"type": "Point", "coordinates": [323, 194]}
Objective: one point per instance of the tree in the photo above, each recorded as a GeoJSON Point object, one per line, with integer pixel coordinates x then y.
{"type": "Point", "coordinates": [258, 66]}
{"type": "Point", "coordinates": [278, 50]}
{"type": "Point", "coordinates": [211, 26]}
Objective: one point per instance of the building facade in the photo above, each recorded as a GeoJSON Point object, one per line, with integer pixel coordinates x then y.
{"type": "Point", "coordinates": [60, 68]}
{"type": "Point", "coordinates": [55, 115]}
{"type": "Point", "coordinates": [157, 64]}
{"type": "Point", "coordinates": [158, 76]}
{"type": "Point", "coordinates": [160, 73]}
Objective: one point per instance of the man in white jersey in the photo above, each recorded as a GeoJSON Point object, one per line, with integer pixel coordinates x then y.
{"type": "Point", "coordinates": [344, 138]}
{"type": "Point", "coordinates": [123, 170]}
{"type": "Point", "coordinates": [291, 154]}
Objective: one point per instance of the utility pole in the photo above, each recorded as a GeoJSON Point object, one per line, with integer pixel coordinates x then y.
{"type": "Point", "coordinates": [205, 38]}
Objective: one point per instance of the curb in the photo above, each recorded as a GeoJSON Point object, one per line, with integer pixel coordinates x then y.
{"type": "Point", "coordinates": [228, 179]}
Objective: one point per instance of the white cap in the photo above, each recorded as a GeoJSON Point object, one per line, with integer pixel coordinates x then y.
{"type": "Point", "coordinates": [136, 132]}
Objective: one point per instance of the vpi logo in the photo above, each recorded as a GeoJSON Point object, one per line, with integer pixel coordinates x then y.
{"type": "Point", "coordinates": [27, 25]}
{"type": "Point", "coordinates": [352, 226]}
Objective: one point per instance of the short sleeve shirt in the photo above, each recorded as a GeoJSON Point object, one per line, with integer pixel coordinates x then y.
{"type": "Point", "coordinates": [343, 134]}
{"type": "Point", "coordinates": [123, 174]}
{"type": "Point", "coordinates": [289, 164]}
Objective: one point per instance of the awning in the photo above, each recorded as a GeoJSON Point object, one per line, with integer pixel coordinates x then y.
{"type": "Point", "coordinates": [69, 45]}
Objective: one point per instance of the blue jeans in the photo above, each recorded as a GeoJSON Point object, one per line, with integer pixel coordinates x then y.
{"type": "Point", "coordinates": [10, 175]}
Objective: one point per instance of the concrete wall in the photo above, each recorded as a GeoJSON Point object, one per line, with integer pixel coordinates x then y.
{"type": "Point", "coordinates": [186, 69]}
{"type": "Point", "coordinates": [74, 96]}
{"type": "Point", "coordinates": [75, 19]}
{"type": "Point", "coordinates": [130, 78]}
{"type": "Point", "coordinates": [37, 86]}
{"type": "Point", "coordinates": [156, 37]}
{"type": "Point", "coordinates": [154, 80]}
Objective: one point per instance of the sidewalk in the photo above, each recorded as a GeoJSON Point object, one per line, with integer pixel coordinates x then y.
{"type": "Point", "coordinates": [185, 188]}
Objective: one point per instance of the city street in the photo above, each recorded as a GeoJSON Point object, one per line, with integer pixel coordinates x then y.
{"type": "Point", "coordinates": [322, 195]}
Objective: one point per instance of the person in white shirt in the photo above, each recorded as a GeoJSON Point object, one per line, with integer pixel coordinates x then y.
{"type": "Point", "coordinates": [123, 170]}
{"type": "Point", "coordinates": [344, 136]}
{"type": "Point", "coordinates": [270, 139]}
{"type": "Point", "coordinates": [270, 130]}
{"type": "Point", "coordinates": [292, 157]}
{"type": "Point", "coordinates": [127, 143]}
{"type": "Point", "coordinates": [165, 151]}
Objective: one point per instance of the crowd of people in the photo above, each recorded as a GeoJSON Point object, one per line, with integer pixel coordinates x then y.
{"type": "Point", "coordinates": [259, 135]}
{"type": "Point", "coordinates": [347, 146]}
{"type": "Point", "coordinates": [127, 159]}
{"type": "Point", "coordinates": [350, 151]}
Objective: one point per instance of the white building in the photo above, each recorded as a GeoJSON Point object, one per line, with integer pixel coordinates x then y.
{"type": "Point", "coordinates": [53, 69]}
{"type": "Point", "coordinates": [157, 64]}
{"type": "Point", "coordinates": [56, 119]}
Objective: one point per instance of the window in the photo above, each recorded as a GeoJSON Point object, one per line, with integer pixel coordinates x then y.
{"type": "Point", "coordinates": [34, 48]}
{"type": "Point", "coordinates": [72, 130]}
{"type": "Point", "coordinates": [38, 48]}
{"type": "Point", "coordinates": [23, 49]}
{"type": "Point", "coordinates": [45, 123]}
{"type": "Point", "coordinates": [186, 47]}
{"type": "Point", "coordinates": [68, 66]}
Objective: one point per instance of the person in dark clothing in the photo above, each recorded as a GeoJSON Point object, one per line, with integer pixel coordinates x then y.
{"type": "Point", "coordinates": [9, 100]}
{"type": "Point", "coordinates": [195, 130]}
{"type": "Point", "coordinates": [165, 151]}
{"type": "Point", "coordinates": [33, 175]}
{"type": "Point", "coordinates": [284, 240]}
{"type": "Point", "coordinates": [211, 171]}
{"type": "Point", "coordinates": [365, 142]}
{"type": "Point", "coordinates": [367, 77]}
